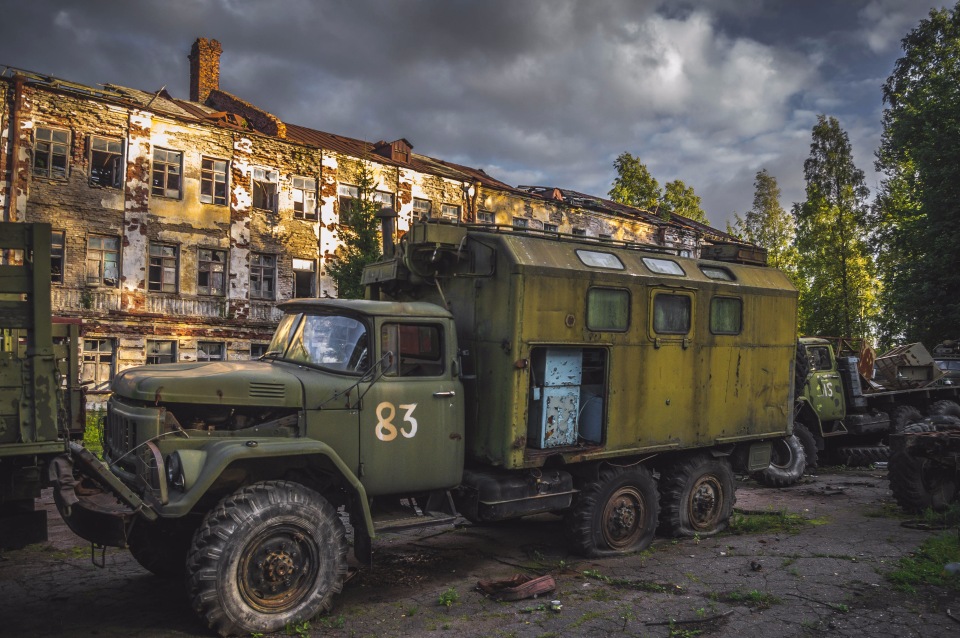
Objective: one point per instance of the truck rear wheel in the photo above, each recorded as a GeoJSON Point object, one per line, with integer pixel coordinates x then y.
{"type": "Point", "coordinates": [616, 514]}
{"type": "Point", "coordinates": [787, 462]}
{"type": "Point", "coordinates": [903, 415]}
{"type": "Point", "coordinates": [267, 555]}
{"type": "Point", "coordinates": [697, 495]}
{"type": "Point", "coordinates": [918, 483]}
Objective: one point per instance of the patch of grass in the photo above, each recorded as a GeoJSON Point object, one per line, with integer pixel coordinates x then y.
{"type": "Point", "coordinates": [93, 432]}
{"type": "Point", "coordinates": [331, 623]}
{"type": "Point", "coordinates": [769, 522]}
{"type": "Point", "coordinates": [754, 598]}
{"type": "Point", "coordinates": [585, 618]}
{"type": "Point", "coordinates": [411, 612]}
{"type": "Point", "coordinates": [680, 632]}
{"type": "Point", "coordinates": [300, 628]}
{"type": "Point", "coordinates": [925, 565]}
{"type": "Point", "coordinates": [449, 598]}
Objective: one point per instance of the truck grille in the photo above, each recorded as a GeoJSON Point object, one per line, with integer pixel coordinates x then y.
{"type": "Point", "coordinates": [267, 390]}
{"type": "Point", "coordinates": [121, 432]}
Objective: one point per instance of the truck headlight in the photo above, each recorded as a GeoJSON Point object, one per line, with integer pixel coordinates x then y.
{"type": "Point", "coordinates": [183, 468]}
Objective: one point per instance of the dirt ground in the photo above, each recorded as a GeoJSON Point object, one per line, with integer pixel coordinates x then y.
{"type": "Point", "coordinates": [826, 579]}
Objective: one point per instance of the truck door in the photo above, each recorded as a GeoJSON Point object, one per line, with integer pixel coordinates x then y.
{"type": "Point", "coordinates": [411, 421]}
{"type": "Point", "coordinates": [824, 387]}
{"type": "Point", "coordinates": [671, 384]}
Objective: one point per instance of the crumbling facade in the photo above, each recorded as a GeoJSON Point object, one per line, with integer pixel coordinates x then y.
{"type": "Point", "coordinates": [179, 224]}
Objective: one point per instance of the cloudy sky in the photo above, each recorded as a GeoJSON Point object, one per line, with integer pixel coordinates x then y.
{"type": "Point", "coordinates": [535, 92]}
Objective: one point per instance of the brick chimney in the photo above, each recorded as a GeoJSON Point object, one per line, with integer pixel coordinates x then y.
{"type": "Point", "coordinates": [204, 68]}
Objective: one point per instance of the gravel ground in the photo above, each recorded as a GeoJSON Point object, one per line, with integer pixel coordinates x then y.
{"type": "Point", "coordinates": [826, 579]}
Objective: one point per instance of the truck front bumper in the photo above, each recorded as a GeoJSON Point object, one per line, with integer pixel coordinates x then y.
{"type": "Point", "coordinates": [94, 503]}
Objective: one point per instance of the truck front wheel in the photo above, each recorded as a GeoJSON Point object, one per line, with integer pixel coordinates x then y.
{"type": "Point", "coordinates": [269, 554]}
{"type": "Point", "coordinates": [697, 494]}
{"type": "Point", "coordinates": [616, 514]}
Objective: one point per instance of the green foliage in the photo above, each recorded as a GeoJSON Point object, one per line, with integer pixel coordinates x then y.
{"type": "Point", "coordinates": [300, 629]}
{"type": "Point", "coordinates": [753, 598]}
{"type": "Point", "coordinates": [679, 199]}
{"type": "Point", "coordinates": [359, 231]}
{"type": "Point", "coordinates": [769, 226]}
{"type": "Point", "coordinates": [449, 598]}
{"type": "Point", "coordinates": [93, 432]}
{"type": "Point", "coordinates": [635, 186]}
{"type": "Point", "coordinates": [917, 211]}
{"type": "Point", "coordinates": [926, 565]}
{"type": "Point", "coordinates": [835, 267]}
{"type": "Point", "coordinates": [766, 522]}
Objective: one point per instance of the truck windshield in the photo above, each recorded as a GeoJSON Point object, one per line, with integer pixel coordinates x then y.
{"type": "Point", "coordinates": [335, 342]}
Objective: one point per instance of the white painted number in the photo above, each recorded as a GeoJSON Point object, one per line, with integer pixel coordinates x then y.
{"type": "Point", "coordinates": [826, 388]}
{"type": "Point", "coordinates": [386, 430]}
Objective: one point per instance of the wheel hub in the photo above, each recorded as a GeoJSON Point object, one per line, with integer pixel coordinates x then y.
{"type": "Point", "coordinates": [705, 502]}
{"type": "Point", "coordinates": [277, 569]}
{"type": "Point", "coordinates": [622, 518]}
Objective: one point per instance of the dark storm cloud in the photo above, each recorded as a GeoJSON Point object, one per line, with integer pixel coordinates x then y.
{"type": "Point", "coordinates": [536, 91]}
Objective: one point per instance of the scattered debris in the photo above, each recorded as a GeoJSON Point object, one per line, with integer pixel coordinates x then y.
{"type": "Point", "coordinates": [519, 587]}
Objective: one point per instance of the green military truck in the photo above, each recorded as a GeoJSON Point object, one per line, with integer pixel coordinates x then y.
{"type": "Point", "coordinates": [491, 373]}
{"type": "Point", "coordinates": [41, 402]}
{"type": "Point", "coordinates": [848, 416]}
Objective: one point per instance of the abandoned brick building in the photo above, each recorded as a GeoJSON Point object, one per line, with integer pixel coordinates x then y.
{"type": "Point", "coordinates": [179, 224]}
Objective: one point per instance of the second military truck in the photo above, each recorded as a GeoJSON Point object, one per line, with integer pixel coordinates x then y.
{"type": "Point", "coordinates": [492, 372]}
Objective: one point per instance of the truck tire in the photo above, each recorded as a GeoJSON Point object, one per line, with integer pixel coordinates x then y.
{"type": "Point", "coordinates": [697, 495]}
{"type": "Point", "coordinates": [944, 408]}
{"type": "Point", "coordinates": [161, 548]}
{"type": "Point", "coordinates": [903, 415]}
{"type": "Point", "coordinates": [809, 443]}
{"type": "Point", "coordinates": [269, 554]}
{"type": "Point", "coordinates": [787, 462]}
{"type": "Point", "coordinates": [919, 484]}
{"type": "Point", "coordinates": [616, 514]}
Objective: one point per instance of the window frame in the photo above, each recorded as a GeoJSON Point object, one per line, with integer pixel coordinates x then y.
{"type": "Point", "coordinates": [307, 189]}
{"type": "Point", "coordinates": [421, 210]}
{"type": "Point", "coordinates": [101, 279]}
{"type": "Point", "coordinates": [156, 355]}
{"type": "Point", "coordinates": [260, 176]}
{"type": "Point", "coordinates": [653, 264]}
{"type": "Point", "coordinates": [394, 368]}
{"type": "Point", "coordinates": [161, 164]}
{"type": "Point", "coordinates": [95, 358]}
{"type": "Point", "coordinates": [51, 171]}
{"type": "Point", "coordinates": [224, 272]}
{"type": "Point", "coordinates": [161, 285]}
{"type": "Point", "coordinates": [58, 252]}
{"type": "Point", "coordinates": [312, 270]}
{"type": "Point", "coordinates": [262, 268]}
{"type": "Point", "coordinates": [113, 157]}
{"type": "Point", "coordinates": [220, 344]}
{"type": "Point", "coordinates": [346, 195]}
{"type": "Point", "coordinates": [450, 211]}
{"type": "Point", "coordinates": [487, 217]}
{"type": "Point", "coordinates": [209, 181]}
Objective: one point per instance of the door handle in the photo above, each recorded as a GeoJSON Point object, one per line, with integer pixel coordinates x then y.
{"type": "Point", "coordinates": [448, 393]}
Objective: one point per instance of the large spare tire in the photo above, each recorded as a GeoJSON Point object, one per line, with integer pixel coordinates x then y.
{"type": "Point", "coordinates": [787, 462]}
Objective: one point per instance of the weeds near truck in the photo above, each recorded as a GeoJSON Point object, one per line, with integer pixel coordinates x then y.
{"type": "Point", "coordinates": [93, 432]}
{"type": "Point", "coordinates": [449, 598]}
{"type": "Point", "coordinates": [769, 522]}
{"type": "Point", "coordinates": [628, 583]}
{"type": "Point", "coordinates": [926, 565]}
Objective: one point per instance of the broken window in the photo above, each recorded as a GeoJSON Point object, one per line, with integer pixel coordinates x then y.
{"type": "Point", "coordinates": [161, 351]}
{"type": "Point", "coordinates": [98, 358]}
{"type": "Point", "coordinates": [304, 278]}
{"type": "Point", "coordinates": [50, 150]}
{"type": "Point", "coordinates": [304, 198]}
{"type": "Point", "coordinates": [422, 207]}
{"type": "Point", "coordinates": [263, 276]}
{"type": "Point", "coordinates": [164, 261]}
{"type": "Point", "coordinates": [450, 211]}
{"type": "Point", "coordinates": [106, 162]}
{"type": "Point", "coordinates": [213, 181]}
{"type": "Point", "coordinates": [579, 232]}
{"type": "Point", "coordinates": [211, 351]}
{"type": "Point", "coordinates": [486, 217]}
{"type": "Point", "coordinates": [551, 228]}
{"type": "Point", "coordinates": [211, 272]}
{"type": "Point", "coordinates": [166, 173]}
{"type": "Point", "coordinates": [57, 247]}
{"type": "Point", "coordinates": [265, 189]}
{"type": "Point", "coordinates": [257, 350]}
{"type": "Point", "coordinates": [103, 260]}
{"type": "Point", "coordinates": [520, 222]}
{"type": "Point", "coordinates": [348, 198]}
{"type": "Point", "coordinates": [384, 198]}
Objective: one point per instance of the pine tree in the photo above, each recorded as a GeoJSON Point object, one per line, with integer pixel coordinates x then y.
{"type": "Point", "coordinates": [769, 226]}
{"type": "Point", "coordinates": [835, 267]}
{"type": "Point", "coordinates": [359, 231]}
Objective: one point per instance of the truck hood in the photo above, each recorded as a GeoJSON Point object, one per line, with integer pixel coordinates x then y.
{"type": "Point", "coordinates": [217, 382]}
